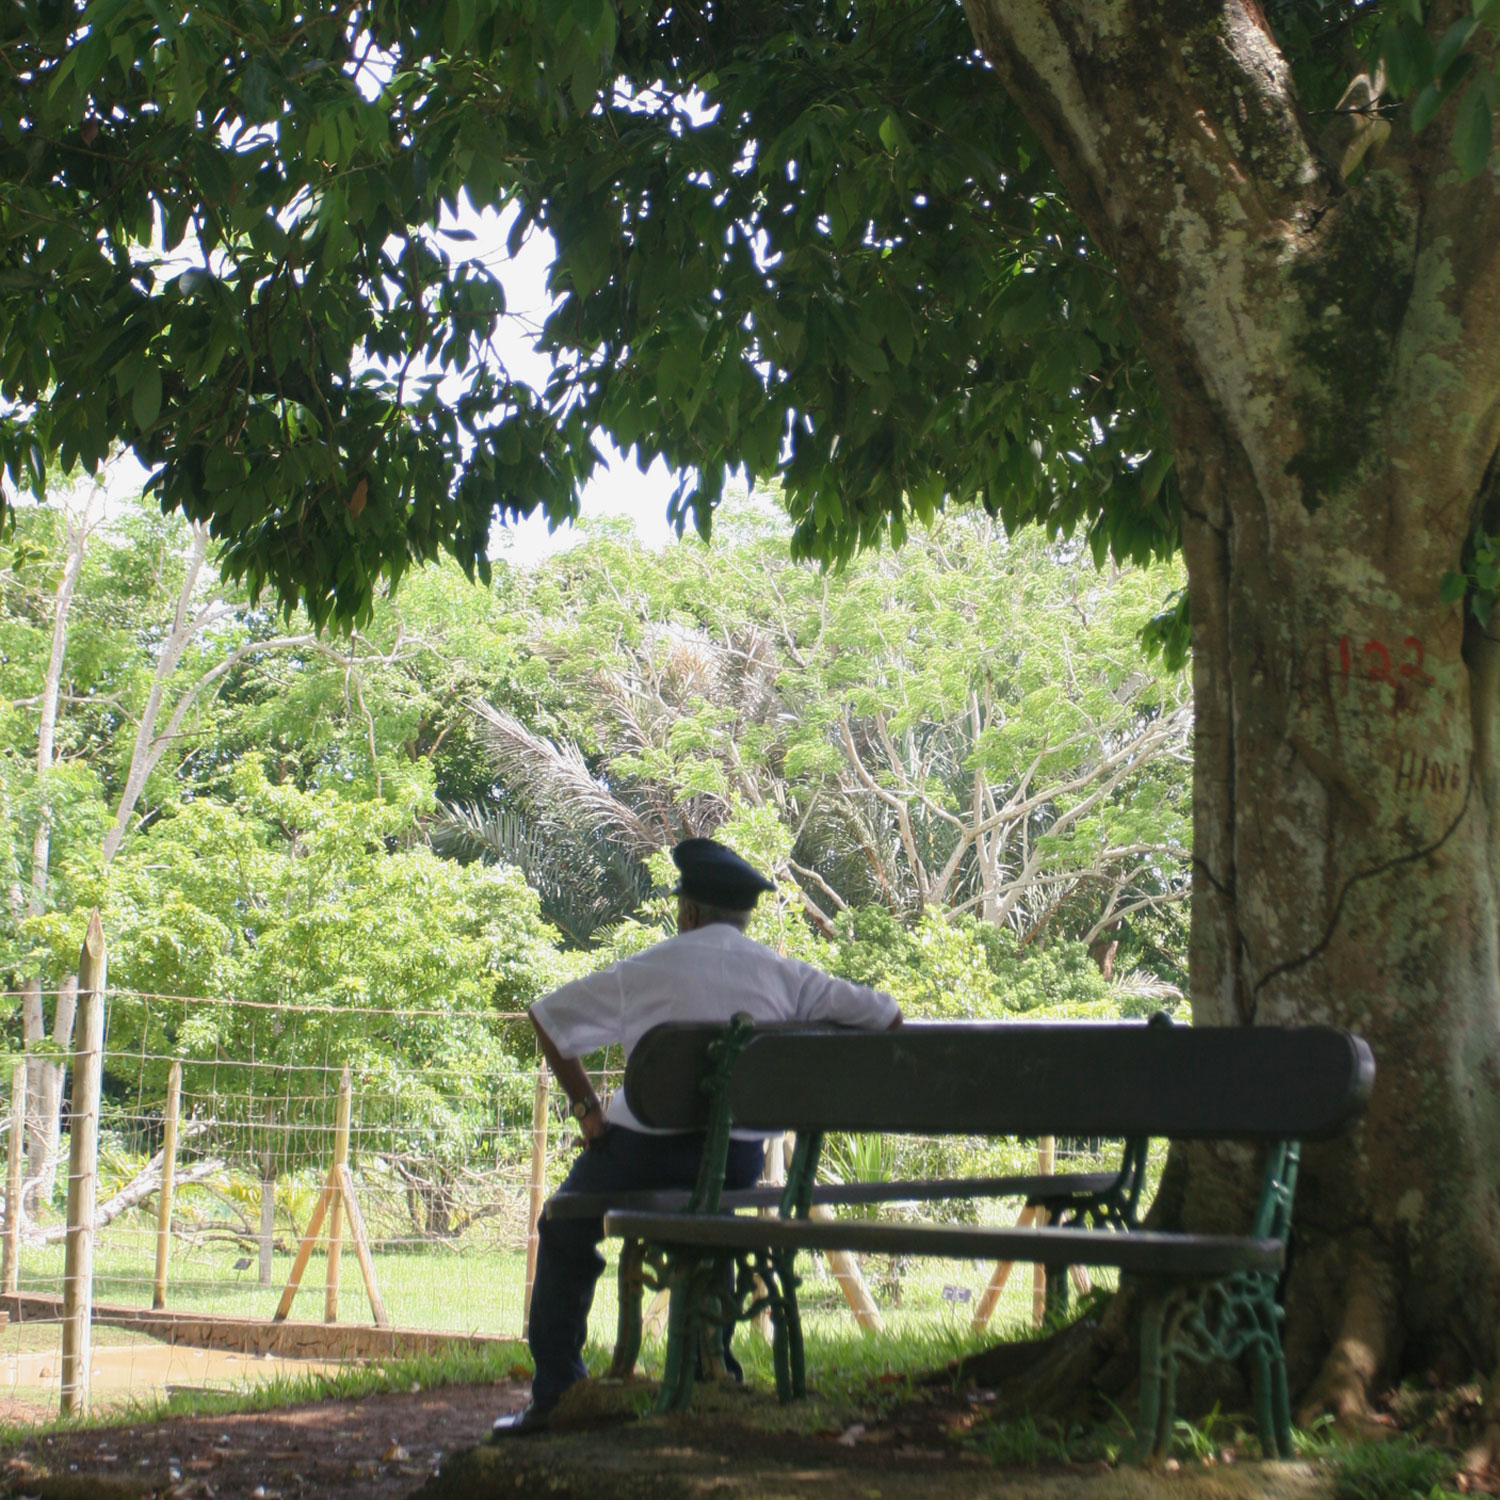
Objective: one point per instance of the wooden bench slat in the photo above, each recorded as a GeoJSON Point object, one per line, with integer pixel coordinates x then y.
{"type": "Point", "coordinates": [1061, 1187]}
{"type": "Point", "coordinates": [1141, 1250]}
{"type": "Point", "coordinates": [1009, 1078]}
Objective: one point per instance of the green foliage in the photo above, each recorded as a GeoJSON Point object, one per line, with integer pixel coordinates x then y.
{"type": "Point", "coordinates": [1398, 1468]}
{"type": "Point", "coordinates": [393, 960]}
{"type": "Point", "coordinates": [231, 245]}
{"type": "Point", "coordinates": [1205, 1437]}
{"type": "Point", "coordinates": [228, 244]}
{"type": "Point", "coordinates": [278, 860]}
{"type": "Point", "coordinates": [818, 244]}
{"type": "Point", "coordinates": [1450, 74]}
{"type": "Point", "coordinates": [968, 726]}
{"type": "Point", "coordinates": [1433, 74]}
{"type": "Point", "coordinates": [963, 968]}
{"type": "Point", "coordinates": [1024, 1443]}
{"type": "Point", "coordinates": [1478, 580]}
{"type": "Point", "coordinates": [883, 300]}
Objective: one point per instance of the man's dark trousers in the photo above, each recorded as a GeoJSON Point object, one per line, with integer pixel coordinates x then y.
{"type": "Point", "coordinates": [568, 1262]}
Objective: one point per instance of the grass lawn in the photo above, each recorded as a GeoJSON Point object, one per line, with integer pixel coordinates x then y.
{"type": "Point", "coordinates": [925, 1304]}
{"type": "Point", "coordinates": [474, 1285]}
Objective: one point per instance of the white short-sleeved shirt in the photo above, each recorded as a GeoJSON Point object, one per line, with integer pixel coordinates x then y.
{"type": "Point", "coordinates": [709, 974]}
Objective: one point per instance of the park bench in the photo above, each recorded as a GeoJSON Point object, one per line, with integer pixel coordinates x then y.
{"type": "Point", "coordinates": [1204, 1296]}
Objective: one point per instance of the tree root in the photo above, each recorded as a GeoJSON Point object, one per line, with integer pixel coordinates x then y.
{"type": "Point", "coordinates": [1059, 1375]}
{"type": "Point", "coordinates": [1485, 1454]}
{"type": "Point", "coordinates": [1361, 1352]}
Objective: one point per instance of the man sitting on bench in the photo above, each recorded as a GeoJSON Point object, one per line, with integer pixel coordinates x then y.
{"type": "Point", "coordinates": [709, 972]}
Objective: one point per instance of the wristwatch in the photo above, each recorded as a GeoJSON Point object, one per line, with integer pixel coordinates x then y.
{"type": "Point", "coordinates": [582, 1108]}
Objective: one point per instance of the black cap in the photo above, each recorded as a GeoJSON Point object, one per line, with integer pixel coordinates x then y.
{"type": "Point", "coordinates": [714, 874]}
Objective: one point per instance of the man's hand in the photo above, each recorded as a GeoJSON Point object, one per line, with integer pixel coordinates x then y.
{"type": "Point", "coordinates": [592, 1126]}
{"type": "Point", "coordinates": [575, 1083]}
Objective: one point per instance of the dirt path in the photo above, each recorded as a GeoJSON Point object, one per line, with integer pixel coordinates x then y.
{"type": "Point", "coordinates": [429, 1445]}
{"type": "Point", "coordinates": [377, 1449]}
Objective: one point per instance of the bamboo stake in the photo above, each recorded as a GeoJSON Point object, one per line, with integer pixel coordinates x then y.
{"type": "Point", "coordinates": [335, 1184]}
{"type": "Point", "coordinates": [83, 1161]}
{"type": "Point", "coordinates": [538, 1190]}
{"type": "Point", "coordinates": [168, 1174]}
{"type": "Point", "coordinates": [985, 1310]}
{"type": "Point", "coordinates": [362, 1247]}
{"type": "Point", "coordinates": [10, 1277]}
{"type": "Point", "coordinates": [851, 1283]}
{"type": "Point", "coordinates": [304, 1253]}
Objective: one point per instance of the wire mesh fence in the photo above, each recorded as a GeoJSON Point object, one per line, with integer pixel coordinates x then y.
{"type": "Point", "coordinates": [446, 1159]}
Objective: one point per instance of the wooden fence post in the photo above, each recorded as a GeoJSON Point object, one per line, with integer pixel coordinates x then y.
{"type": "Point", "coordinates": [268, 1198]}
{"type": "Point", "coordinates": [83, 1160]}
{"type": "Point", "coordinates": [336, 1205]}
{"type": "Point", "coordinates": [538, 1189]}
{"type": "Point", "coordinates": [164, 1196]}
{"type": "Point", "coordinates": [1046, 1164]}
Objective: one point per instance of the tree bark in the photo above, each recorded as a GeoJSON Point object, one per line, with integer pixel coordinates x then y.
{"type": "Point", "coordinates": [46, 1140]}
{"type": "Point", "coordinates": [44, 1077]}
{"type": "Point", "coordinates": [1329, 359]}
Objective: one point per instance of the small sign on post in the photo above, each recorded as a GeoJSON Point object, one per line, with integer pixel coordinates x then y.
{"type": "Point", "coordinates": [83, 1162]}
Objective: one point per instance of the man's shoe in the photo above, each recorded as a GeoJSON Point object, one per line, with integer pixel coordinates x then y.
{"type": "Point", "coordinates": [521, 1423]}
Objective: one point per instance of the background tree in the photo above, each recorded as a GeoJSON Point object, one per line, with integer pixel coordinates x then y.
{"type": "Point", "coordinates": [969, 726]}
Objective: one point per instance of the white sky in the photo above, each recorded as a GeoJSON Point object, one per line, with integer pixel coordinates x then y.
{"type": "Point", "coordinates": [623, 489]}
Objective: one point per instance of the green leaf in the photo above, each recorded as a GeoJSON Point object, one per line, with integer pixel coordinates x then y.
{"type": "Point", "coordinates": [1453, 587]}
{"type": "Point", "coordinates": [1451, 45]}
{"type": "Point", "coordinates": [1429, 102]}
{"type": "Point", "coordinates": [1407, 52]}
{"type": "Point", "coordinates": [145, 400]}
{"type": "Point", "coordinates": [1472, 130]}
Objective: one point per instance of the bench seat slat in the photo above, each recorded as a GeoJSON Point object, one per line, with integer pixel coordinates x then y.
{"type": "Point", "coordinates": [1061, 1187]}
{"type": "Point", "coordinates": [1145, 1251]}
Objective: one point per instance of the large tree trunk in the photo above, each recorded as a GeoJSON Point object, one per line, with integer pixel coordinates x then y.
{"type": "Point", "coordinates": [1329, 356]}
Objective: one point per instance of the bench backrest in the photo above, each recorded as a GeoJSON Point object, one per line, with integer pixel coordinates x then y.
{"type": "Point", "coordinates": [1015, 1078]}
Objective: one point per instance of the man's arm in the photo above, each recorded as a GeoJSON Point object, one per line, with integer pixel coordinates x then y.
{"type": "Point", "coordinates": [569, 1072]}
{"type": "Point", "coordinates": [842, 1002]}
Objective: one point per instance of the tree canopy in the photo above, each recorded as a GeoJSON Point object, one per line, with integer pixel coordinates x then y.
{"type": "Point", "coordinates": [813, 240]}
